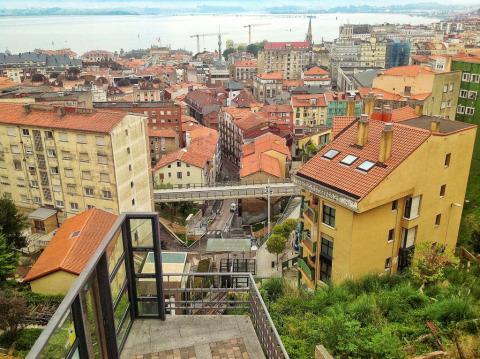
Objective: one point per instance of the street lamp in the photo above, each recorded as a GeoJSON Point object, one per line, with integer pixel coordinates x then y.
{"type": "Point", "coordinates": [268, 192]}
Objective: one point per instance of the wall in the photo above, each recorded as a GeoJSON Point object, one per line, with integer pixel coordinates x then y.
{"type": "Point", "coordinates": [55, 283]}
{"type": "Point", "coordinates": [196, 174]}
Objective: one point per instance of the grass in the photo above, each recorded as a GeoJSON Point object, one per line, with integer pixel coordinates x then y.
{"type": "Point", "coordinates": [378, 317]}
{"type": "Point", "coordinates": [25, 340]}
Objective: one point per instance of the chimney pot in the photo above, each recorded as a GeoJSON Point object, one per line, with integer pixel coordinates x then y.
{"type": "Point", "coordinates": [435, 126]}
{"type": "Point", "coordinates": [386, 143]}
{"type": "Point", "coordinates": [362, 131]}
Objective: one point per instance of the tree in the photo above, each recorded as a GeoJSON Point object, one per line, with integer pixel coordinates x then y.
{"type": "Point", "coordinates": [13, 310]}
{"type": "Point", "coordinates": [227, 52]}
{"type": "Point", "coordinates": [254, 48]}
{"type": "Point", "coordinates": [276, 244]}
{"type": "Point", "coordinates": [284, 229]}
{"type": "Point", "coordinates": [8, 260]}
{"type": "Point", "coordinates": [12, 223]}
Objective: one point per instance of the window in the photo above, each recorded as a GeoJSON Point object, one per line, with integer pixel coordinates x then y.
{"type": "Point", "coordinates": [349, 159]}
{"type": "Point", "coordinates": [68, 172]}
{"type": "Point", "coordinates": [126, 132]}
{"type": "Point", "coordinates": [51, 153]}
{"type": "Point", "coordinates": [15, 149]}
{"type": "Point", "coordinates": [388, 263]}
{"type": "Point", "coordinates": [37, 200]}
{"type": "Point", "coordinates": [326, 259]}
{"type": "Point", "coordinates": [100, 141]}
{"type": "Point", "coordinates": [131, 184]}
{"type": "Point", "coordinates": [74, 206]}
{"type": "Point", "coordinates": [88, 191]}
{"type": "Point", "coordinates": [104, 177]}
{"type": "Point", "coordinates": [56, 188]}
{"type": "Point", "coordinates": [84, 157]}
{"type": "Point", "coordinates": [445, 88]}
{"type": "Point", "coordinates": [169, 174]}
{"type": "Point", "coordinates": [90, 206]}
{"type": "Point", "coordinates": [128, 150]}
{"type": "Point", "coordinates": [25, 132]}
{"type": "Point", "coordinates": [179, 164]}
{"type": "Point", "coordinates": [408, 237]}
{"type": "Point", "coordinates": [366, 166]}
{"type": "Point", "coordinates": [59, 203]}
{"type": "Point", "coordinates": [443, 188]}
{"type": "Point", "coordinates": [133, 201]}
{"type": "Point", "coordinates": [2, 164]}
{"type": "Point", "coordinates": [130, 168]}
{"type": "Point", "coordinates": [460, 109]}
{"type": "Point", "coordinates": [179, 175]}
{"type": "Point", "coordinates": [66, 155]}
{"type": "Point", "coordinates": [463, 93]}
{"type": "Point", "coordinates": [391, 235]}
{"type": "Point", "coordinates": [475, 78]}
{"type": "Point", "coordinates": [17, 165]}
{"type": "Point", "coordinates": [81, 138]}
{"type": "Point", "coordinates": [71, 189]}
{"type": "Point", "coordinates": [412, 207]}
{"type": "Point", "coordinates": [394, 205]}
{"type": "Point", "coordinates": [438, 219]}
{"type": "Point", "coordinates": [448, 156]}
{"type": "Point", "coordinates": [20, 182]}
{"type": "Point", "coordinates": [328, 215]}
{"type": "Point", "coordinates": [188, 173]}
{"type": "Point", "coordinates": [331, 154]}
{"type": "Point", "coordinates": [450, 87]}
{"type": "Point", "coordinates": [102, 158]}
{"type": "Point", "coordinates": [443, 105]}
{"type": "Point", "coordinates": [86, 175]}
{"type": "Point", "coordinates": [34, 184]}
{"type": "Point", "coordinates": [107, 194]}
{"type": "Point", "coordinates": [63, 136]}
{"type": "Point", "coordinates": [465, 76]}
{"type": "Point", "coordinates": [49, 136]}
{"type": "Point", "coordinates": [469, 110]}
{"type": "Point", "coordinates": [472, 95]}
{"type": "Point", "coordinates": [54, 170]}
{"type": "Point", "coordinates": [11, 131]}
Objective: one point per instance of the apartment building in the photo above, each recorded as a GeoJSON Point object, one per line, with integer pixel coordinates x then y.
{"type": "Point", "coordinates": [244, 70]}
{"type": "Point", "coordinates": [342, 104]}
{"type": "Point", "coordinates": [147, 92]}
{"type": "Point", "coordinates": [74, 160]}
{"type": "Point", "coordinates": [438, 89]}
{"type": "Point", "coordinates": [309, 110]}
{"type": "Point", "coordinates": [468, 106]}
{"type": "Point", "coordinates": [267, 85]}
{"type": "Point", "coordinates": [289, 58]}
{"type": "Point", "coordinates": [162, 142]}
{"type": "Point", "coordinates": [367, 203]}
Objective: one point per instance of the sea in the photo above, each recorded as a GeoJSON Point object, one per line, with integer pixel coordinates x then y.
{"type": "Point", "coordinates": [83, 33]}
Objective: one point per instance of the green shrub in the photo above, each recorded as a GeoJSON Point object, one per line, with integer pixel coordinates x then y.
{"type": "Point", "coordinates": [27, 338]}
{"type": "Point", "coordinates": [273, 288]}
{"type": "Point", "coordinates": [450, 310]}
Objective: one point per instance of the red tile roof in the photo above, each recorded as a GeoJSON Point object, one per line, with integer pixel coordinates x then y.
{"type": "Point", "coordinates": [350, 180]}
{"type": "Point", "coordinates": [340, 123]}
{"type": "Point", "coordinates": [285, 45]}
{"type": "Point", "coordinates": [71, 253]}
{"type": "Point", "coordinates": [275, 75]}
{"type": "Point", "coordinates": [305, 100]}
{"type": "Point", "coordinates": [267, 142]}
{"type": "Point", "coordinates": [244, 99]}
{"type": "Point", "coordinates": [260, 163]}
{"type": "Point", "coordinates": [315, 71]}
{"type": "Point", "coordinates": [250, 121]}
{"type": "Point", "coordinates": [276, 108]}
{"type": "Point", "coordinates": [292, 83]}
{"type": "Point", "coordinates": [246, 63]}
{"type": "Point", "coordinates": [404, 113]}
{"type": "Point", "coordinates": [161, 132]}
{"type": "Point", "coordinates": [408, 71]}
{"type": "Point", "coordinates": [97, 121]}
{"type": "Point", "coordinates": [5, 82]}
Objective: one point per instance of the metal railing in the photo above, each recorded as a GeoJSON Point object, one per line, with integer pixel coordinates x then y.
{"type": "Point", "coordinates": [220, 184]}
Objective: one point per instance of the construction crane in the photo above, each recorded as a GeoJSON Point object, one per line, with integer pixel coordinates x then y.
{"type": "Point", "coordinates": [203, 35]}
{"type": "Point", "coordinates": [250, 30]}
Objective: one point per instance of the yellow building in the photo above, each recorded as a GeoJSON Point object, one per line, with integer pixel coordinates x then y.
{"type": "Point", "coordinates": [73, 161]}
{"type": "Point", "coordinates": [309, 110]}
{"type": "Point", "coordinates": [438, 89]}
{"type": "Point", "coordinates": [377, 191]}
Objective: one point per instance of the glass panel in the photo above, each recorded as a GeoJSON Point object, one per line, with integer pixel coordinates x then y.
{"type": "Point", "coordinates": [114, 251]}
{"type": "Point", "coordinates": [148, 307]}
{"type": "Point", "coordinates": [141, 233]}
{"type": "Point", "coordinates": [122, 306]}
{"type": "Point", "coordinates": [146, 287]}
{"type": "Point", "coordinates": [90, 308]}
{"type": "Point", "coordinates": [144, 262]}
{"type": "Point", "coordinates": [123, 330]}
{"type": "Point", "coordinates": [118, 281]}
{"type": "Point", "coordinates": [61, 340]}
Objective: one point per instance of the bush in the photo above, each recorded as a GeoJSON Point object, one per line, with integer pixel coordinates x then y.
{"type": "Point", "coordinates": [27, 338]}
{"type": "Point", "coordinates": [450, 310]}
{"type": "Point", "coordinates": [273, 288]}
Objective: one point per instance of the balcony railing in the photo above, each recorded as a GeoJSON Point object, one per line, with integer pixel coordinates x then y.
{"type": "Point", "coordinates": [305, 268]}
{"type": "Point", "coordinates": [123, 281]}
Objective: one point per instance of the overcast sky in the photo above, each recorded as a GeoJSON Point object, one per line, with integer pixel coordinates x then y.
{"type": "Point", "coordinates": [254, 4]}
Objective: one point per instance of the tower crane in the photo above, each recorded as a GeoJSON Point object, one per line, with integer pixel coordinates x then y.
{"type": "Point", "coordinates": [204, 35]}
{"type": "Point", "coordinates": [250, 30]}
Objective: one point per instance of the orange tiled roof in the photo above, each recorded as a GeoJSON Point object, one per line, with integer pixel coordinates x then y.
{"type": "Point", "coordinates": [340, 123]}
{"type": "Point", "coordinates": [315, 71]}
{"type": "Point", "coordinates": [249, 121]}
{"type": "Point", "coordinates": [5, 82]}
{"type": "Point", "coordinates": [161, 132]}
{"type": "Point", "coordinates": [260, 163]}
{"type": "Point", "coordinates": [275, 75]}
{"type": "Point", "coordinates": [237, 112]}
{"type": "Point", "coordinates": [267, 142]}
{"type": "Point", "coordinates": [304, 100]}
{"type": "Point", "coordinates": [350, 180]}
{"type": "Point", "coordinates": [246, 63]}
{"type": "Point", "coordinates": [404, 113]}
{"type": "Point", "coordinates": [408, 71]}
{"type": "Point", "coordinates": [276, 108]}
{"type": "Point", "coordinates": [71, 254]}
{"type": "Point", "coordinates": [293, 83]}
{"type": "Point", "coordinates": [97, 121]}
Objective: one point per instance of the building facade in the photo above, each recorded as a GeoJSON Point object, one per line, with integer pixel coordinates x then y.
{"type": "Point", "coordinates": [267, 85]}
{"type": "Point", "coordinates": [468, 107]}
{"type": "Point", "coordinates": [289, 58]}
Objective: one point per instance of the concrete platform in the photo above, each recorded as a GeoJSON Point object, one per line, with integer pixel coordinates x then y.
{"type": "Point", "coordinates": [209, 336]}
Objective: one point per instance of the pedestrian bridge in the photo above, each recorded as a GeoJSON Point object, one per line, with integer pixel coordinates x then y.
{"type": "Point", "coordinates": [226, 191]}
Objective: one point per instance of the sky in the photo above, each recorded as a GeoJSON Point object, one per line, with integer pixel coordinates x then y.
{"type": "Point", "coordinates": [253, 4]}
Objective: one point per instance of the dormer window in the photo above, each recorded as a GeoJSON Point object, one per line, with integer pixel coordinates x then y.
{"type": "Point", "coordinates": [366, 166]}
{"type": "Point", "coordinates": [331, 154]}
{"type": "Point", "coordinates": [349, 159]}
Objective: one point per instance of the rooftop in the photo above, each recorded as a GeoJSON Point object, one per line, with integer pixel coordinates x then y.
{"type": "Point", "coordinates": [260, 162]}
{"type": "Point", "coordinates": [314, 100]}
{"type": "Point", "coordinates": [297, 45]}
{"type": "Point", "coordinates": [408, 71]}
{"type": "Point", "coordinates": [275, 75]}
{"type": "Point", "coordinates": [315, 71]}
{"type": "Point", "coordinates": [446, 127]}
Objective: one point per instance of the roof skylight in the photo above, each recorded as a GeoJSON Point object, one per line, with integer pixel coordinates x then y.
{"type": "Point", "coordinates": [330, 154]}
{"type": "Point", "coordinates": [348, 160]}
{"type": "Point", "coordinates": [366, 166]}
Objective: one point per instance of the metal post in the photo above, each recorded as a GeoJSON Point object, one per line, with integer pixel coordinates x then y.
{"type": "Point", "coordinates": [267, 189]}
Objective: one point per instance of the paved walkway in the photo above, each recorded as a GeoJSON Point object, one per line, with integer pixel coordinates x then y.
{"type": "Point", "coordinates": [193, 337]}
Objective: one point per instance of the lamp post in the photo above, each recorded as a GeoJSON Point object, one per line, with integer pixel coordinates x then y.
{"type": "Point", "coordinates": [268, 192]}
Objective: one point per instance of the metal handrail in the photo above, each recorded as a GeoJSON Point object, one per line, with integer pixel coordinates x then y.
{"type": "Point", "coordinates": [222, 184]}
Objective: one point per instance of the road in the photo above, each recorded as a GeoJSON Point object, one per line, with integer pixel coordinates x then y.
{"type": "Point", "coordinates": [224, 217]}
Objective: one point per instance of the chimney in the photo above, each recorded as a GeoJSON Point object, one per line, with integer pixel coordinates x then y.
{"type": "Point", "coordinates": [377, 114]}
{"type": "Point", "coordinates": [419, 109]}
{"type": "Point", "coordinates": [435, 126]}
{"type": "Point", "coordinates": [387, 114]}
{"type": "Point", "coordinates": [362, 131]}
{"type": "Point", "coordinates": [61, 111]}
{"type": "Point", "coordinates": [369, 104]}
{"type": "Point", "coordinates": [351, 106]}
{"type": "Point", "coordinates": [386, 143]}
{"type": "Point", "coordinates": [27, 108]}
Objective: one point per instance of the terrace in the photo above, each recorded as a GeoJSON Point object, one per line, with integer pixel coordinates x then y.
{"type": "Point", "coordinates": [123, 306]}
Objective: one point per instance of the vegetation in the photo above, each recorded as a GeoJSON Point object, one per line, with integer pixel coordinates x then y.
{"type": "Point", "coordinates": [177, 212]}
{"type": "Point", "coordinates": [8, 260]}
{"type": "Point", "coordinates": [255, 47]}
{"type": "Point", "coordinates": [13, 309]}
{"type": "Point", "coordinates": [12, 224]}
{"type": "Point", "coordinates": [24, 341]}
{"type": "Point", "coordinates": [276, 244]}
{"type": "Point", "coordinates": [383, 316]}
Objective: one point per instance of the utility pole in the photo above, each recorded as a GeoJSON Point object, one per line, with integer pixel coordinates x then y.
{"type": "Point", "coordinates": [268, 191]}
{"type": "Point", "coordinates": [219, 46]}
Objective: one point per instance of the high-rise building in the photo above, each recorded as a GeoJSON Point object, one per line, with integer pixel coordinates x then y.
{"type": "Point", "coordinates": [289, 58]}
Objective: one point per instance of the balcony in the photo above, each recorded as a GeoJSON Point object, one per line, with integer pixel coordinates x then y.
{"type": "Point", "coordinates": [306, 270]}
{"type": "Point", "coordinates": [310, 214]}
{"type": "Point", "coordinates": [122, 305]}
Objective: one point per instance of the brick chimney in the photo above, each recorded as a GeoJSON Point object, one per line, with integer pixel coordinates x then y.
{"type": "Point", "coordinates": [369, 104]}
{"type": "Point", "coordinates": [386, 143]}
{"type": "Point", "coordinates": [351, 106]}
{"type": "Point", "coordinates": [435, 126]}
{"type": "Point", "coordinates": [387, 114]}
{"type": "Point", "coordinates": [362, 131]}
